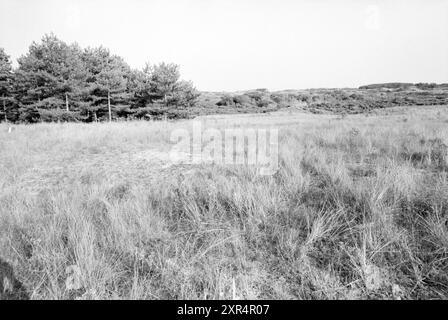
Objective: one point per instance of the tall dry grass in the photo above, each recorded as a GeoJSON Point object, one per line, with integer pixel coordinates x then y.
{"type": "Point", "coordinates": [358, 209]}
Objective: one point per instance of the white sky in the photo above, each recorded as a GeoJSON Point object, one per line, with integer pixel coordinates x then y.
{"type": "Point", "coordinates": [245, 44]}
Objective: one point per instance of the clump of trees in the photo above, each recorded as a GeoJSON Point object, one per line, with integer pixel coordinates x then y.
{"type": "Point", "coordinates": [56, 81]}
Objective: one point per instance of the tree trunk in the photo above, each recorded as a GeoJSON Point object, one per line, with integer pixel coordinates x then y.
{"type": "Point", "coordinates": [66, 102]}
{"type": "Point", "coordinates": [108, 104]}
{"type": "Point", "coordinates": [95, 117]}
{"type": "Point", "coordinates": [4, 108]}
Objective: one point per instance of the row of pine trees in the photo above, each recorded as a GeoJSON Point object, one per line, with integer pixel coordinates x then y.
{"type": "Point", "coordinates": [56, 81]}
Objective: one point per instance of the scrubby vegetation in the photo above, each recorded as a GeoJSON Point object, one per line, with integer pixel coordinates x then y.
{"type": "Point", "coordinates": [357, 209]}
{"type": "Point", "coordinates": [336, 101]}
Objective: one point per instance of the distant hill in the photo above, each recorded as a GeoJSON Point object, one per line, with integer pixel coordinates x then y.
{"type": "Point", "coordinates": [390, 85]}
{"type": "Point", "coordinates": [404, 85]}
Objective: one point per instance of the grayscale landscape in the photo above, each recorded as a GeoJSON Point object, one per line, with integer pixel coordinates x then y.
{"type": "Point", "coordinates": [99, 198]}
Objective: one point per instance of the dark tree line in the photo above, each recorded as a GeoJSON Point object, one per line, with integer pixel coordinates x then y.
{"type": "Point", "coordinates": [56, 81]}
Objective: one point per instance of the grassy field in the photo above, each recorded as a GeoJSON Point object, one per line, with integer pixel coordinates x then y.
{"type": "Point", "coordinates": [357, 209]}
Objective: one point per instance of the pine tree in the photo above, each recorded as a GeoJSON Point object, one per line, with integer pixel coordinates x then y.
{"type": "Point", "coordinates": [49, 79]}
{"type": "Point", "coordinates": [160, 93]}
{"type": "Point", "coordinates": [108, 77]}
{"type": "Point", "coordinates": [8, 112]}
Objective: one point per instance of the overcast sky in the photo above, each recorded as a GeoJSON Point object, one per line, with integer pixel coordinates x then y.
{"type": "Point", "coordinates": [243, 44]}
